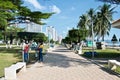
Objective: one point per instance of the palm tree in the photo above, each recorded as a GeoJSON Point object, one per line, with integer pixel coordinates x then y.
{"type": "Point", "coordinates": [83, 22]}
{"type": "Point", "coordinates": [91, 14]}
{"type": "Point", "coordinates": [91, 21]}
{"type": "Point", "coordinates": [83, 26]}
{"type": "Point", "coordinates": [103, 24]}
{"type": "Point", "coordinates": [111, 1]}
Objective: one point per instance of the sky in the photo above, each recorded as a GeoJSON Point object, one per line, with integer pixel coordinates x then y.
{"type": "Point", "coordinates": [68, 13]}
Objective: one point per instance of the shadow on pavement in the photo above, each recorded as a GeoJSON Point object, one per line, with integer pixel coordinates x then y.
{"type": "Point", "coordinates": [61, 60]}
{"type": "Point", "coordinates": [61, 50]}
{"type": "Point", "coordinates": [110, 71]}
{"type": "Point", "coordinates": [104, 61]}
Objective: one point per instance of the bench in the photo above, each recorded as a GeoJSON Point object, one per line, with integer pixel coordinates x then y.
{"type": "Point", "coordinates": [78, 51]}
{"type": "Point", "coordinates": [113, 64]}
{"type": "Point", "coordinates": [68, 46]}
{"type": "Point", "coordinates": [10, 72]}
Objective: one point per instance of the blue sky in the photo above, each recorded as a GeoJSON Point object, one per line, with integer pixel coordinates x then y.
{"type": "Point", "coordinates": [67, 13]}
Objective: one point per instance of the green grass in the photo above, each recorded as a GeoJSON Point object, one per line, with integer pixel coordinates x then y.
{"type": "Point", "coordinates": [11, 56]}
{"type": "Point", "coordinates": [7, 58]}
{"type": "Point", "coordinates": [117, 69]}
{"type": "Point", "coordinates": [107, 53]}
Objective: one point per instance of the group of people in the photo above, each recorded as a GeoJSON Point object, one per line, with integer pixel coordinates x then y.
{"type": "Point", "coordinates": [8, 44]}
{"type": "Point", "coordinates": [38, 49]}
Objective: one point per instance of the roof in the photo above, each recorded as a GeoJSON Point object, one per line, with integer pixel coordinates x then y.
{"type": "Point", "coordinates": [116, 24]}
{"type": "Point", "coordinates": [116, 21]}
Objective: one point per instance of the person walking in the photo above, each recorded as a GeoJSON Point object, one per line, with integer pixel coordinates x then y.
{"type": "Point", "coordinates": [40, 55]}
{"type": "Point", "coordinates": [26, 49]}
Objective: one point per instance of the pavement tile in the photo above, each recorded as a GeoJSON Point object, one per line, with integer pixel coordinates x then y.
{"type": "Point", "coordinates": [63, 64]}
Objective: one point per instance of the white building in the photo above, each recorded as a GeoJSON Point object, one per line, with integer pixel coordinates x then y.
{"type": "Point", "coordinates": [32, 27]}
{"type": "Point", "coordinates": [52, 33]}
{"type": "Point", "coordinates": [60, 39]}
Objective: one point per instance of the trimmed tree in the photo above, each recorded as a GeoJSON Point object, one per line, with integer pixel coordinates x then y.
{"type": "Point", "coordinates": [114, 39]}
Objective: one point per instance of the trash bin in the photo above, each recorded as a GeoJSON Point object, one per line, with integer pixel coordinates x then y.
{"type": "Point", "coordinates": [98, 45]}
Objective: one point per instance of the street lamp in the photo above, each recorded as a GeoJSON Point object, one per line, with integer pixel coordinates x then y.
{"type": "Point", "coordinates": [48, 30]}
{"type": "Point", "coordinates": [92, 40]}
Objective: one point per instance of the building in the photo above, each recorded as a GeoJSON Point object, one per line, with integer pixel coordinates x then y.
{"type": "Point", "coordinates": [60, 39]}
{"type": "Point", "coordinates": [32, 27]}
{"type": "Point", "coordinates": [52, 33]}
{"type": "Point", "coordinates": [116, 24]}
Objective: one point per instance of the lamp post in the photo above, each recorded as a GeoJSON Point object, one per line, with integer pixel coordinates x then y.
{"type": "Point", "coordinates": [92, 40]}
{"type": "Point", "coordinates": [48, 29]}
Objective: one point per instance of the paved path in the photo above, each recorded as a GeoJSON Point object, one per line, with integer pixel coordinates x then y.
{"type": "Point", "coordinates": [62, 64]}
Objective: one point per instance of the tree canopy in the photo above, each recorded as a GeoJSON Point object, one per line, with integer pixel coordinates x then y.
{"type": "Point", "coordinates": [97, 21]}
{"type": "Point", "coordinates": [12, 11]}
{"type": "Point", "coordinates": [111, 1]}
{"type": "Point", "coordinates": [114, 38]}
{"type": "Point", "coordinates": [32, 36]}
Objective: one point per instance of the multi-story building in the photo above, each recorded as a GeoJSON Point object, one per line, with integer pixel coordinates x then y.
{"type": "Point", "coordinates": [32, 27]}
{"type": "Point", "coordinates": [52, 33]}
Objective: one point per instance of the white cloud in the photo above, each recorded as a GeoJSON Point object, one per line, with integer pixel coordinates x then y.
{"type": "Point", "coordinates": [55, 9]}
{"type": "Point", "coordinates": [35, 3]}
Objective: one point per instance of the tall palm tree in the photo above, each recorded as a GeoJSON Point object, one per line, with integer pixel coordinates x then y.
{"type": "Point", "coordinates": [104, 18]}
{"type": "Point", "coordinates": [91, 20]}
{"type": "Point", "coordinates": [83, 26]}
{"type": "Point", "coordinates": [83, 22]}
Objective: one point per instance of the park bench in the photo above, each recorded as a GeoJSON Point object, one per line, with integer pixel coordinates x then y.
{"type": "Point", "coordinates": [68, 46]}
{"type": "Point", "coordinates": [113, 64]}
{"type": "Point", "coordinates": [11, 72]}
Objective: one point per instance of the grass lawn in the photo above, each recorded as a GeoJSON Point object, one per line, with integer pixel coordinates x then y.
{"type": "Point", "coordinates": [107, 53]}
{"type": "Point", "coordinates": [11, 56]}
{"type": "Point", "coordinates": [8, 57]}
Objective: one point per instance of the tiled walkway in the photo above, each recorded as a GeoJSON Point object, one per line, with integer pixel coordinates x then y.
{"type": "Point", "coordinates": [62, 64]}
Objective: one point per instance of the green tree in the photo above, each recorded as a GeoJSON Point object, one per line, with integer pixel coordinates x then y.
{"type": "Point", "coordinates": [83, 27]}
{"type": "Point", "coordinates": [67, 40]}
{"type": "Point", "coordinates": [77, 35]}
{"type": "Point", "coordinates": [91, 21]}
{"type": "Point", "coordinates": [52, 41]}
{"type": "Point", "coordinates": [111, 1]}
{"type": "Point", "coordinates": [104, 16]}
{"type": "Point", "coordinates": [14, 30]}
{"type": "Point", "coordinates": [12, 11]}
{"type": "Point", "coordinates": [32, 36]}
{"type": "Point", "coordinates": [25, 15]}
{"type": "Point", "coordinates": [1, 36]}
{"type": "Point", "coordinates": [74, 35]}
{"type": "Point", "coordinates": [114, 39]}
{"type": "Point", "coordinates": [83, 22]}
{"type": "Point", "coordinates": [7, 9]}
{"type": "Point", "coordinates": [40, 37]}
